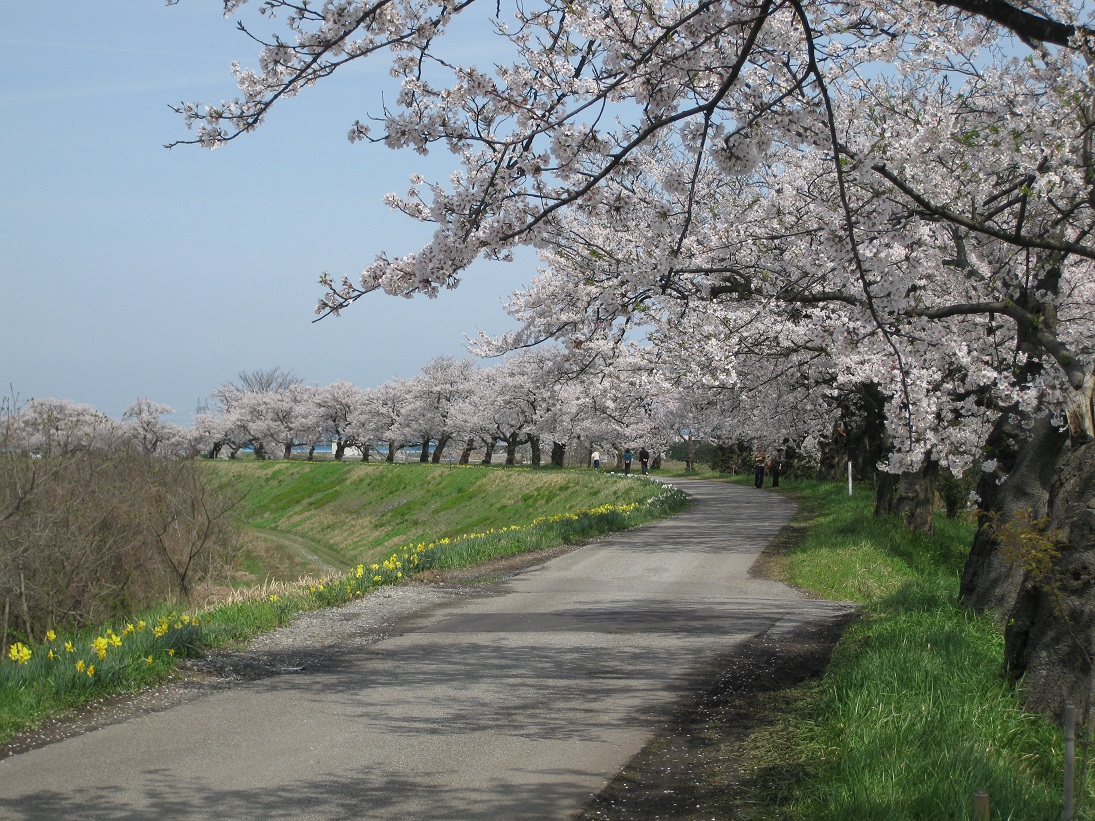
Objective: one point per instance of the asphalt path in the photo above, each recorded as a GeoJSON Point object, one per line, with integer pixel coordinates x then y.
{"type": "Point", "coordinates": [519, 704]}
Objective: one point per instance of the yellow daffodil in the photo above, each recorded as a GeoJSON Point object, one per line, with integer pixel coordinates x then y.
{"type": "Point", "coordinates": [50, 635]}
{"type": "Point", "coordinates": [91, 671]}
{"type": "Point", "coordinates": [80, 666]}
{"type": "Point", "coordinates": [19, 653]}
{"type": "Point", "coordinates": [69, 648]}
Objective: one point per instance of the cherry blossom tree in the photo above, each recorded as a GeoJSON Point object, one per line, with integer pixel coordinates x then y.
{"type": "Point", "coordinates": [144, 421]}
{"type": "Point", "coordinates": [429, 400]}
{"type": "Point", "coordinates": [337, 405]}
{"type": "Point", "coordinates": [58, 427]}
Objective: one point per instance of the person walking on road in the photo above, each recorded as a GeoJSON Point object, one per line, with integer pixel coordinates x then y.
{"type": "Point", "coordinates": [644, 460]}
{"type": "Point", "coordinates": [758, 467]}
{"type": "Point", "coordinates": [596, 460]}
{"type": "Point", "coordinates": [627, 461]}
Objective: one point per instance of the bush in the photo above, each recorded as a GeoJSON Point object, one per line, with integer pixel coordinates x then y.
{"type": "Point", "coordinates": [94, 531]}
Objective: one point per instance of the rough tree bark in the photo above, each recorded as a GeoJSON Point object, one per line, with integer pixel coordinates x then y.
{"type": "Point", "coordinates": [1050, 624]}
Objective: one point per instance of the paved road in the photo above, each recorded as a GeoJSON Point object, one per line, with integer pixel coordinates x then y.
{"type": "Point", "coordinates": [516, 705]}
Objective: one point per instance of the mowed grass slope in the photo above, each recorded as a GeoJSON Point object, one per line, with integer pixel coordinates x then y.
{"type": "Point", "coordinates": [348, 513]}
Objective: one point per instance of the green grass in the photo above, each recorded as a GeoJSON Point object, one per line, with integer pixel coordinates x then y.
{"type": "Point", "coordinates": [913, 714]}
{"type": "Point", "coordinates": [352, 513]}
{"type": "Point", "coordinates": [312, 507]}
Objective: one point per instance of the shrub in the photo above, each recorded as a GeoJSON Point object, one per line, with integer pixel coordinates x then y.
{"type": "Point", "coordinates": [98, 528]}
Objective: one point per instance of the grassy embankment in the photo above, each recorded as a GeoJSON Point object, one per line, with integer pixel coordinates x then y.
{"type": "Point", "coordinates": [352, 528]}
{"type": "Point", "coordinates": [335, 516]}
{"type": "Point", "coordinates": [912, 715]}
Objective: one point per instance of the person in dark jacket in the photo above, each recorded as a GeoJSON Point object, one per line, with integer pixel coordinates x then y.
{"type": "Point", "coordinates": [775, 465]}
{"type": "Point", "coordinates": [644, 459]}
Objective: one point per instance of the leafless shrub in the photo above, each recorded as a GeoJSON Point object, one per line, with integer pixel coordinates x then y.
{"type": "Point", "coordinates": [99, 527]}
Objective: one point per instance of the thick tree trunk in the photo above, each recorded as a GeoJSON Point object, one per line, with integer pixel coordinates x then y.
{"type": "Point", "coordinates": [340, 450]}
{"type": "Point", "coordinates": [1025, 463]}
{"type": "Point", "coordinates": [439, 448]}
{"type": "Point", "coordinates": [1049, 642]}
{"type": "Point", "coordinates": [488, 452]}
{"type": "Point", "coordinates": [558, 453]}
{"type": "Point", "coordinates": [512, 442]}
{"type": "Point", "coordinates": [534, 441]}
{"type": "Point", "coordinates": [469, 446]}
{"type": "Point", "coordinates": [915, 497]}
{"type": "Point", "coordinates": [1049, 638]}
{"type": "Point", "coordinates": [833, 461]}
{"type": "Point", "coordinates": [424, 453]}
{"type": "Point", "coordinates": [885, 489]}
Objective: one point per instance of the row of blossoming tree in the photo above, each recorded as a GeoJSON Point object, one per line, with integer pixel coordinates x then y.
{"type": "Point", "coordinates": [893, 196]}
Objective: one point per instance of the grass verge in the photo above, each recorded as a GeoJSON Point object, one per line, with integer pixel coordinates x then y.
{"type": "Point", "coordinates": [62, 673]}
{"type": "Point", "coordinates": [912, 715]}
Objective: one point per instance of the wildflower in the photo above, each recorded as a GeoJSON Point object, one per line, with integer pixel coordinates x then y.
{"type": "Point", "coordinates": [50, 635]}
{"type": "Point", "coordinates": [69, 648]}
{"type": "Point", "coordinates": [171, 651]}
{"type": "Point", "coordinates": [141, 625]}
{"type": "Point", "coordinates": [376, 578]}
{"type": "Point", "coordinates": [99, 645]}
{"type": "Point", "coordinates": [19, 653]}
{"type": "Point", "coordinates": [273, 597]}
{"type": "Point", "coordinates": [115, 640]}
{"type": "Point", "coordinates": [50, 655]}
{"type": "Point", "coordinates": [149, 659]}
{"type": "Point", "coordinates": [91, 671]}
{"type": "Point", "coordinates": [80, 666]}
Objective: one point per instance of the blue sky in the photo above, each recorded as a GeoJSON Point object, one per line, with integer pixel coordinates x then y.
{"type": "Point", "coordinates": [128, 270]}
